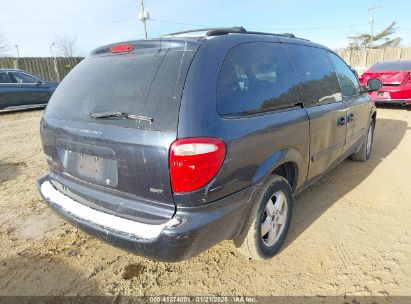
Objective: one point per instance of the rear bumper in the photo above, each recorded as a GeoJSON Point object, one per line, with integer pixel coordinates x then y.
{"type": "Point", "coordinates": [190, 231]}
{"type": "Point", "coordinates": [392, 95]}
{"type": "Point", "coordinates": [392, 101]}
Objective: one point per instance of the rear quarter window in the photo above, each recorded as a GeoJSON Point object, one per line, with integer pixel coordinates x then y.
{"type": "Point", "coordinates": [319, 83]}
{"type": "Point", "coordinates": [256, 77]}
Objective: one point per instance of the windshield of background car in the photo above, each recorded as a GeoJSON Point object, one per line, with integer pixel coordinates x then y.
{"type": "Point", "coordinates": [391, 66]}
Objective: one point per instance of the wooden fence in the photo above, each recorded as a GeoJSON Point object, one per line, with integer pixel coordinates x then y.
{"type": "Point", "coordinates": [46, 68]}
{"type": "Point", "coordinates": [363, 59]}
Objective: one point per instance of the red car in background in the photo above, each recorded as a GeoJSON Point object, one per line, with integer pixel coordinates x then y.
{"type": "Point", "coordinates": [396, 80]}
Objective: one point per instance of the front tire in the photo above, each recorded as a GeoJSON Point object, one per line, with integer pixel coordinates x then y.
{"type": "Point", "coordinates": [269, 220]}
{"type": "Point", "coordinates": [366, 147]}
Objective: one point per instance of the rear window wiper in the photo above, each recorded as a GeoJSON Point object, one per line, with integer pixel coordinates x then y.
{"type": "Point", "coordinates": [98, 115]}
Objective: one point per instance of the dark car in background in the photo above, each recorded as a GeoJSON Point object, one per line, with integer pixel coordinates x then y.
{"type": "Point", "coordinates": [396, 80]}
{"type": "Point", "coordinates": [200, 137]}
{"type": "Point", "coordinates": [21, 90]}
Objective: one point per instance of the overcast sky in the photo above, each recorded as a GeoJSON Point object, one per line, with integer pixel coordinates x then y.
{"type": "Point", "coordinates": [34, 25]}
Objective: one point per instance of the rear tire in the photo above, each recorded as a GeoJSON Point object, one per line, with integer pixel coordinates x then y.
{"type": "Point", "coordinates": [366, 148]}
{"type": "Point", "coordinates": [269, 220]}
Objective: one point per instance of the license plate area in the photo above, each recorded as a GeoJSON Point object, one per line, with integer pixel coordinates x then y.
{"type": "Point", "coordinates": [91, 168]}
{"type": "Point", "coordinates": [385, 95]}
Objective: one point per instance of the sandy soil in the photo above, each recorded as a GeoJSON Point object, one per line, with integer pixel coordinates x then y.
{"type": "Point", "coordinates": [351, 233]}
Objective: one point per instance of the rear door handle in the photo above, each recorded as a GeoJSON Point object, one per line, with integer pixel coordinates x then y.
{"type": "Point", "coordinates": [350, 117]}
{"type": "Point", "coordinates": [341, 121]}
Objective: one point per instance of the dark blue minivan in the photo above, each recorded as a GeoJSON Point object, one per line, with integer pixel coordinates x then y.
{"type": "Point", "coordinates": [166, 147]}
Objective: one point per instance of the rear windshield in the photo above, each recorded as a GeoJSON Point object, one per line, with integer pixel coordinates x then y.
{"type": "Point", "coordinates": [391, 66]}
{"type": "Point", "coordinates": [147, 82]}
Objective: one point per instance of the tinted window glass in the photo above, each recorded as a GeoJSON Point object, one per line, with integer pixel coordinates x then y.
{"type": "Point", "coordinates": [24, 78]}
{"type": "Point", "coordinates": [399, 65]}
{"type": "Point", "coordinates": [348, 82]}
{"type": "Point", "coordinates": [4, 78]}
{"type": "Point", "coordinates": [148, 82]}
{"type": "Point", "coordinates": [319, 83]}
{"type": "Point", "coordinates": [256, 77]}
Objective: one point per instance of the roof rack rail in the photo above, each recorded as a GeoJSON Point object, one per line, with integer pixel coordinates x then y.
{"type": "Point", "coordinates": [208, 30]}
{"type": "Point", "coordinates": [289, 35]}
{"type": "Point", "coordinates": [242, 30]}
{"type": "Point", "coordinates": [224, 31]}
{"type": "Point", "coordinates": [211, 32]}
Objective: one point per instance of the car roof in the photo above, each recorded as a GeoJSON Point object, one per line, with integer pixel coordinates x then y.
{"type": "Point", "coordinates": [212, 32]}
{"type": "Point", "coordinates": [11, 70]}
{"type": "Point", "coordinates": [200, 36]}
{"type": "Point", "coordinates": [207, 33]}
{"type": "Point", "coordinates": [398, 60]}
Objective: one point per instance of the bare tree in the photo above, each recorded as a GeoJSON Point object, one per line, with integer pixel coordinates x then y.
{"type": "Point", "coordinates": [66, 46]}
{"type": "Point", "coordinates": [4, 47]}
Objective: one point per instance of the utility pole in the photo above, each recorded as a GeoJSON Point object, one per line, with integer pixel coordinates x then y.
{"type": "Point", "coordinates": [51, 49]}
{"type": "Point", "coordinates": [56, 69]}
{"type": "Point", "coordinates": [144, 16]}
{"type": "Point", "coordinates": [372, 10]}
{"type": "Point", "coordinates": [17, 49]}
{"type": "Point", "coordinates": [16, 62]}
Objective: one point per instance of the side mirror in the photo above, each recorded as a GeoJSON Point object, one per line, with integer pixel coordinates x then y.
{"type": "Point", "coordinates": [374, 84]}
{"type": "Point", "coordinates": [39, 83]}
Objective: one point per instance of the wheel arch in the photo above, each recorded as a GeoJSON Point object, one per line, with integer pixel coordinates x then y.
{"type": "Point", "coordinates": [289, 171]}
{"type": "Point", "coordinates": [287, 163]}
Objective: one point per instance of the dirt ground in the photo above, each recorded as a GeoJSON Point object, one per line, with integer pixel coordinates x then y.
{"type": "Point", "coordinates": [350, 235]}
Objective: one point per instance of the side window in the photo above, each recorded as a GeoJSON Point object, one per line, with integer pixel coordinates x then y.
{"type": "Point", "coordinates": [4, 78]}
{"type": "Point", "coordinates": [348, 82]}
{"type": "Point", "coordinates": [319, 83]}
{"type": "Point", "coordinates": [256, 77]}
{"type": "Point", "coordinates": [24, 78]}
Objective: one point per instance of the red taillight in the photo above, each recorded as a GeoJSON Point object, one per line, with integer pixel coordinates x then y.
{"type": "Point", "coordinates": [121, 48]}
{"type": "Point", "coordinates": [194, 162]}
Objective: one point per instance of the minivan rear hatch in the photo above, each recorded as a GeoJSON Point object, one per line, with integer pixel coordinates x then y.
{"type": "Point", "coordinates": [109, 125]}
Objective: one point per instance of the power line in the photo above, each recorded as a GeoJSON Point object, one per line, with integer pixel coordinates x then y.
{"type": "Point", "coordinates": [309, 28]}
{"type": "Point", "coordinates": [179, 23]}
{"type": "Point", "coordinates": [67, 22]}
{"type": "Point", "coordinates": [265, 28]}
